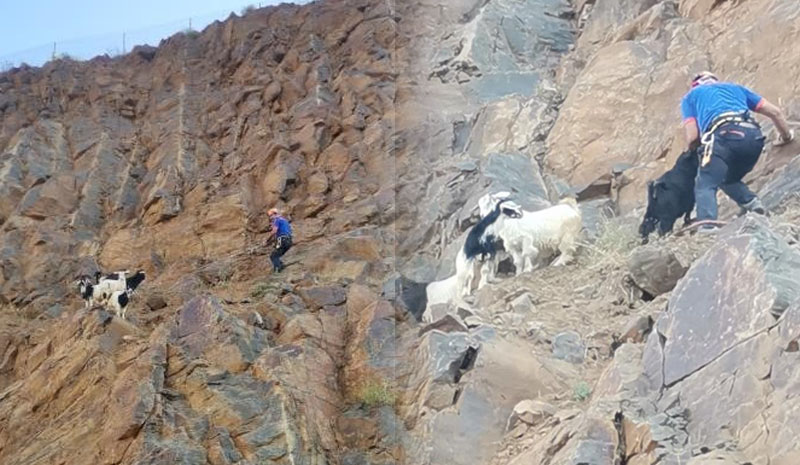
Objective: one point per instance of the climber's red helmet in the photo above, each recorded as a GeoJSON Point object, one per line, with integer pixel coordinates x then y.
{"type": "Point", "coordinates": [704, 77]}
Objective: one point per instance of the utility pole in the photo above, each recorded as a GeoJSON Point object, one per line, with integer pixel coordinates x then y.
{"type": "Point", "coordinates": [54, 51]}
{"type": "Point", "coordinates": [190, 24]}
{"type": "Point", "coordinates": [123, 43]}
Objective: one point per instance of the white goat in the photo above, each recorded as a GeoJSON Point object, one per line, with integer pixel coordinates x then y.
{"type": "Point", "coordinates": [488, 268]}
{"type": "Point", "coordinates": [540, 234]}
{"type": "Point", "coordinates": [440, 292]}
{"type": "Point", "coordinates": [104, 289]}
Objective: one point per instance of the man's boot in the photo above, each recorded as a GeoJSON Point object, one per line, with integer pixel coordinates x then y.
{"type": "Point", "coordinates": [754, 206]}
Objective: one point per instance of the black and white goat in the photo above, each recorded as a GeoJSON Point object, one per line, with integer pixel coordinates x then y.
{"type": "Point", "coordinates": [670, 196]}
{"type": "Point", "coordinates": [482, 245]}
{"type": "Point", "coordinates": [119, 302]}
{"type": "Point", "coordinates": [112, 289]}
{"type": "Point", "coordinates": [528, 237]}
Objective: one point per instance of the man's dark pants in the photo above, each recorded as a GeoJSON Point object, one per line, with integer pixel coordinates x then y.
{"type": "Point", "coordinates": [736, 150]}
{"type": "Point", "coordinates": [283, 244]}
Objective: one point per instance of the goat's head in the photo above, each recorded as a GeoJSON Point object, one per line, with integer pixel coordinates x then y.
{"type": "Point", "coordinates": [487, 203]}
{"type": "Point", "coordinates": [84, 285]}
{"type": "Point", "coordinates": [509, 208]}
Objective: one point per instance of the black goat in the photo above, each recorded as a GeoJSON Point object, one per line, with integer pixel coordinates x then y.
{"type": "Point", "coordinates": [132, 282]}
{"type": "Point", "coordinates": [670, 196]}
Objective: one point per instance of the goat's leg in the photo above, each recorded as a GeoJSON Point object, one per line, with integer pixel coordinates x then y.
{"type": "Point", "coordinates": [687, 218]}
{"type": "Point", "coordinates": [494, 263]}
{"type": "Point", "coordinates": [464, 282]}
{"type": "Point", "coordinates": [483, 271]}
{"type": "Point", "coordinates": [530, 259]}
{"type": "Point", "coordinates": [528, 251]}
{"type": "Point", "coordinates": [519, 262]}
{"type": "Point", "coordinates": [487, 272]}
{"type": "Point", "coordinates": [665, 225]}
{"type": "Point", "coordinates": [567, 248]}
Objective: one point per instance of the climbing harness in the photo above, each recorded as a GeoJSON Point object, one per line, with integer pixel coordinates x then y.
{"type": "Point", "coordinates": [280, 240]}
{"type": "Point", "coordinates": [707, 140]}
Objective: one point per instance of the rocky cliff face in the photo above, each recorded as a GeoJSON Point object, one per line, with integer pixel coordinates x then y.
{"type": "Point", "coordinates": [166, 159]}
{"type": "Point", "coordinates": [377, 126]}
{"type": "Point", "coordinates": [170, 155]}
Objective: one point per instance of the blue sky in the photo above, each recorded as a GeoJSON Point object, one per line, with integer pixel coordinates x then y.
{"type": "Point", "coordinates": [83, 28]}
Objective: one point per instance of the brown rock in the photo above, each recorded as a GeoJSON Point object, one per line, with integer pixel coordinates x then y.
{"type": "Point", "coordinates": [57, 196]}
{"type": "Point", "coordinates": [318, 297]}
{"type": "Point", "coordinates": [156, 302]}
{"type": "Point", "coordinates": [655, 270]}
{"type": "Point", "coordinates": [530, 412]}
{"type": "Point", "coordinates": [637, 330]}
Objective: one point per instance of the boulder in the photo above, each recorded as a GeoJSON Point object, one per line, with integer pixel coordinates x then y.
{"type": "Point", "coordinates": [783, 184]}
{"type": "Point", "coordinates": [322, 296]}
{"type": "Point", "coordinates": [656, 270]}
{"type": "Point", "coordinates": [523, 304]}
{"type": "Point", "coordinates": [530, 412]}
{"type": "Point", "coordinates": [568, 346]}
{"type": "Point", "coordinates": [155, 302]}
{"type": "Point", "coordinates": [719, 354]}
{"type": "Point", "coordinates": [469, 430]}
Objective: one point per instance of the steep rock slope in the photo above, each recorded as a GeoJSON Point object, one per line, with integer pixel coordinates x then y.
{"type": "Point", "coordinates": [612, 104]}
{"type": "Point", "coordinates": [166, 159]}
{"type": "Point", "coordinates": [170, 155]}
{"type": "Point", "coordinates": [378, 126]}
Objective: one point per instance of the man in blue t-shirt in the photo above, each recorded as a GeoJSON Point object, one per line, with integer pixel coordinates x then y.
{"type": "Point", "coordinates": [716, 114]}
{"type": "Point", "coordinates": [283, 238]}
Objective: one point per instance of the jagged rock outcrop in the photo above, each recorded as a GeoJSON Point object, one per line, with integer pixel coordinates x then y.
{"type": "Point", "coordinates": [174, 155]}
{"type": "Point", "coordinates": [740, 304]}
{"type": "Point", "coordinates": [166, 159]}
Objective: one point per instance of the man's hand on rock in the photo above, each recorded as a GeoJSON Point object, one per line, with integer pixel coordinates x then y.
{"type": "Point", "coordinates": [784, 140]}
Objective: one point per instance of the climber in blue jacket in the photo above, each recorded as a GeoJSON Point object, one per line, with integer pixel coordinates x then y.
{"type": "Point", "coordinates": [717, 115]}
{"type": "Point", "coordinates": [282, 232]}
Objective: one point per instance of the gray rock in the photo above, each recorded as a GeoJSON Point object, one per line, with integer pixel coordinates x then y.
{"type": "Point", "coordinates": [467, 165]}
{"type": "Point", "coordinates": [523, 304]}
{"type": "Point", "coordinates": [654, 269]}
{"type": "Point", "coordinates": [450, 353]}
{"type": "Point", "coordinates": [724, 351]}
{"type": "Point", "coordinates": [751, 267]}
{"type": "Point", "coordinates": [597, 444]}
{"type": "Point", "coordinates": [782, 185]}
{"type": "Point", "coordinates": [447, 324]}
{"type": "Point", "coordinates": [409, 294]}
{"type": "Point", "coordinates": [506, 56]}
{"type": "Point", "coordinates": [569, 347]}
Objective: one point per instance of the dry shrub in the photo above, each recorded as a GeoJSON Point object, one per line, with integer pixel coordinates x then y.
{"type": "Point", "coordinates": [375, 393]}
{"type": "Point", "coordinates": [615, 241]}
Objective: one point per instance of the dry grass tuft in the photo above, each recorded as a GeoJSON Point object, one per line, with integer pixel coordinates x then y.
{"type": "Point", "coordinates": [376, 393]}
{"type": "Point", "coordinates": [613, 245]}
